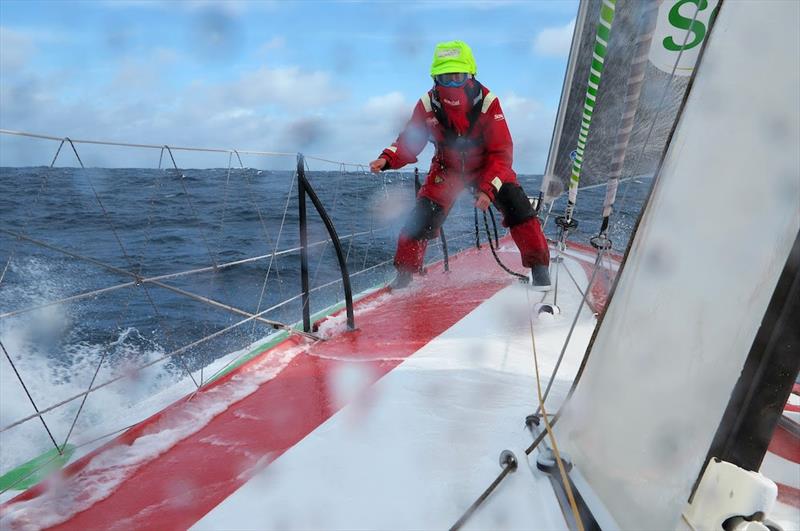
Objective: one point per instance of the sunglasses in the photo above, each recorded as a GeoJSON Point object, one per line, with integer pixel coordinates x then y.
{"type": "Point", "coordinates": [451, 80]}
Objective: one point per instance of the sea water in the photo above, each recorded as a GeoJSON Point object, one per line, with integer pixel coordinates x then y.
{"type": "Point", "coordinates": [93, 229]}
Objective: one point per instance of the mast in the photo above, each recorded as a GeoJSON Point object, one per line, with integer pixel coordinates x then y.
{"type": "Point", "coordinates": [546, 193]}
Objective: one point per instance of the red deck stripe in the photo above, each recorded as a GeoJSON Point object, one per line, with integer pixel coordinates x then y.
{"type": "Point", "coordinates": [601, 287]}
{"type": "Point", "coordinates": [788, 495]}
{"type": "Point", "coordinates": [785, 444]}
{"type": "Point", "coordinates": [184, 483]}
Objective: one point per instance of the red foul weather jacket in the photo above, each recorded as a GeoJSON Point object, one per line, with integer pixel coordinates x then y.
{"type": "Point", "coordinates": [481, 158]}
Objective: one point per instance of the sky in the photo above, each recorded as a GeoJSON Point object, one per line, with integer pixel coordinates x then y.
{"type": "Point", "coordinates": [333, 79]}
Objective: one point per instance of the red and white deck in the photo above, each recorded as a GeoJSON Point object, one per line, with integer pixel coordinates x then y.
{"type": "Point", "coordinates": [398, 424]}
{"type": "Point", "coordinates": [302, 436]}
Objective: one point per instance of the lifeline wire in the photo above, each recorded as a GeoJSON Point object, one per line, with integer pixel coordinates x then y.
{"type": "Point", "coordinates": [154, 280]}
{"type": "Point", "coordinates": [277, 242]}
{"type": "Point", "coordinates": [33, 403]}
{"type": "Point", "coordinates": [142, 280]}
{"type": "Point", "coordinates": [250, 195]}
{"type": "Point", "coordinates": [126, 307]}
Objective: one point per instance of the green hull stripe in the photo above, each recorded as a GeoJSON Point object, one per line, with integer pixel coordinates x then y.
{"type": "Point", "coordinates": [278, 337]}
{"type": "Point", "coordinates": [29, 474]}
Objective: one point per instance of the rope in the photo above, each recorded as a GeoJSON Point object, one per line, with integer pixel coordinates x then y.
{"type": "Point", "coordinates": [585, 359]}
{"type": "Point", "coordinates": [507, 469]}
{"type": "Point", "coordinates": [172, 288]}
{"type": "Point", "coordinates": [549, 428]}
{"type": "Point", "coordinates": [178, 148]}
{"type": "Point", "coordinates": [46, 463]}
{"type": "Point", "coordinates": [602, 37]}
{"type": "Point", "coordinates": [193, 344]}
{"type": "Point", "coordinates": [160, 284]}
{"type": "Point", "coordinates": [550, 423]}
{"type": "Point", "coordinates": [496, 245]}
{"type": "Point", "coordinates": [571, 329]}
{"type": "Point", "coordinates": [220, 235]}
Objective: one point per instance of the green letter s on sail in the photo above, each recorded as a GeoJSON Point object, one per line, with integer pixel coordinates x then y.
{"type": "Point", "coordinates": [681, 26]}
{"type": "Point", "coordinates": [696, 26]}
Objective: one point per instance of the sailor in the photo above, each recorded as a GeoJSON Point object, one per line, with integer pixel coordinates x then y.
{"type": "Point", "coordinates": [473, 149]}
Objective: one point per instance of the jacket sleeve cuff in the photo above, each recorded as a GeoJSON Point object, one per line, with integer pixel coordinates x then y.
{"type": "Point", "coordinates": [490, 187]}
{"type": "Point", "coordinates": [389, 157]}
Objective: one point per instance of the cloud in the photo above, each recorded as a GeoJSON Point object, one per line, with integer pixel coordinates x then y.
{"type": "Point", "coordinates": [391, 107]}
{"type": "Point", "coordinates": [284, 109]}
{"type": "Point", "coordinates": [531, 126]}
{"type": "Point", "coordinates": [231, 7]}
{"type": "Point", "coordinates": [554, 42]}
{"type": "Point", "coordinates": [275, 43]}
{"type": "Point", "coordinates": [306, 132]}
{"type": "Point", "coordinates": [287, 87]}
{"type": "Point", "coordinates": [16, 49]}
{"type": "Point", "coordinates": [272, 109]}
{"type": "Point", "coordinates": [490, 5]}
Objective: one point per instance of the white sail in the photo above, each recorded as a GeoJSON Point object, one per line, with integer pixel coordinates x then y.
{"type": "Point", "coordinates": [660, 93]}
{"type": "Point", "coordinates": [702, 268]}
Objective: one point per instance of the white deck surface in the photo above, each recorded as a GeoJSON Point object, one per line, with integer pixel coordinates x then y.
{"type": "Point", "coordinates": [419, 446]}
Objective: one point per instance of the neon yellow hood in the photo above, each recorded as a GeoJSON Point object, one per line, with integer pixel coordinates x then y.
{"type": "Point", "coordinates": [453, 57]}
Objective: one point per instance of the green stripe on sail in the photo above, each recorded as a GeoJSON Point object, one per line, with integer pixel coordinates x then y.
{"type": "Point", "coordinates": [603, 34]}
{"type": "Point", "coordinates": [607, 13]}
{"type": "Point", "coordinates": [600, 50]}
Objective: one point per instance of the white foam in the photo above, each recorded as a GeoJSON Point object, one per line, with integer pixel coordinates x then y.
{"type": "Point", "coordinates": [65, 498]}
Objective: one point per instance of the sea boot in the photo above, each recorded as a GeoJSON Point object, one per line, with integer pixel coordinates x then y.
{"type": "Point", "coordinates": [401, 280]}
{"type": "Point", "coordinates": [540, 278]}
